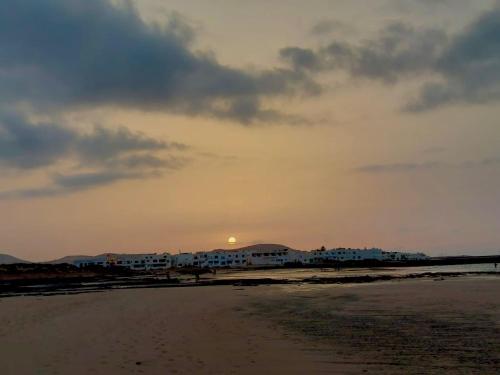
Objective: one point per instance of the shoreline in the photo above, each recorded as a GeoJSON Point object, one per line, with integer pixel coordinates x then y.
{"type": "Point", "coordinates": [67, 286]}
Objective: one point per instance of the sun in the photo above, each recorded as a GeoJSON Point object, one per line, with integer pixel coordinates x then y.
{"type": "Point", "coordinates": [231, 240]}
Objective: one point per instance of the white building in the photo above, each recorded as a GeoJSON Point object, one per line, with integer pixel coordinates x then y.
{"type": "Point", "coordinates": [299, 257]}
{"type": "Point", "coordinates": [343, 254]}
{"type": "Point", "coordinates": [348, 254]}
{"type": "Point", "coordinates": [251, 256]}
{"type": "Point", "coordinates": [132, 261]}
{"type": "Point", "coordinates": [100, 260]}
{"type": "Point", "coordinates": [266, 257]}
{"type": "Point", "coordinates": [183, 260]}
{"type": "Point", "coordinates": [220, 258]}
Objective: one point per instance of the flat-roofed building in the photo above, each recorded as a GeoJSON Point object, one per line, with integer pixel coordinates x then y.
{"type": "Point", "coordinates": [346, 254]}
{"type": "Point", "coordinates": [133, 261]}
{"type": "Point", "coordinates": [183, 260]}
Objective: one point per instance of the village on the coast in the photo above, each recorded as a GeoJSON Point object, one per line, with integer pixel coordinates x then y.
{"type": "Point", "coordinates": [270, 255]}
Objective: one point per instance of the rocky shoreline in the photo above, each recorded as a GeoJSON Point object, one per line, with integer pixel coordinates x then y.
{"type": "Point", "coordinates": [92, 284]}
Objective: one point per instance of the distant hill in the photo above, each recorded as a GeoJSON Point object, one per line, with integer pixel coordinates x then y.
{"type": "Point", "coordinates": [69, 259]}
{"type": "Point", "coordinates": [9, 259]}
{"type": "Point", "coordinates": [263, 246]}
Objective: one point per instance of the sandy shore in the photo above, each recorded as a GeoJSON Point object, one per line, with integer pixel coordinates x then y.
{"type": "Point", "coordinates": [433, 326]}
{"type": "Point", "coordinates": [408, 326]}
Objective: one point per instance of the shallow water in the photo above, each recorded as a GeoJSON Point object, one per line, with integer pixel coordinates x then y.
{"type": "Point", "coordinates": [302, 273]}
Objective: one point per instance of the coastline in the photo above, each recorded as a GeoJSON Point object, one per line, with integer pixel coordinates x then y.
{"type": "Point", "coordinates": [47, 284]}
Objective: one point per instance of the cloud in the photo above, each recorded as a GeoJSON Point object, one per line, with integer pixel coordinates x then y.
{"type": "Point", "coordinates": [28, 145]}
{"type": "Point", "coordinates": [303, 58]}
{"type": "Point", "coordinates": [80, 181]}
{"type": "Point", "coordinates": [133, 169]}
{"type": "Point", "coordinates": [424, 5]}
{"type": "Point", "coordinates": [25, 146]}
{"type": "Point", "coordinates": [63, 54]}
{"type": "Point", "coordinates": [328, 26]}
{"type": "Point", "coordinates": [68, 54]}
{"type": "Point", "coordinates": [104, 144]}
{"type": "Point", "coordinates": [148, 161]}
{"type": "Point", "coordinates": [461, 67]}
{"type": "Point", "coordinates": [99, 157]}
{"type": "Point", "coordinates": [397, 51]}
{"type": "Point", "coordinates": [416, 167]}
{"type": "Point", "coordinates": [397, 167]}
{"type": "Point", "coordinates": [71, 183]}
{"type": "Point", "coordinates": [469, 67]}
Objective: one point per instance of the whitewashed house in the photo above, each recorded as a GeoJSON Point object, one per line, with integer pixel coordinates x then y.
{"type": "Point", "coordinates": [251, 256]}
{"type": "Point", "coordinates": [299, 257]}
{"type": "Point", "coordinates": [183, 260]}
{"type": "Point", "coordinates": [267, 257]}
{"type": "Point", "coordinates": [346, 254]}
{"type": "Point", "coordinates": [220, 258]}
{"type": "Point", "coordinates": [132, 261]}
{"type": "Point", "coordinates": [144, 261]}
{"type": "Point", "coordinates": [100, 260]}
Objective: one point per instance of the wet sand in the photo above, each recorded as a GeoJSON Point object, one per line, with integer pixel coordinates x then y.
{"type": "Point", "coordinates": [427, 326]}
{"type": "Point", "coordinates": [409, 326]}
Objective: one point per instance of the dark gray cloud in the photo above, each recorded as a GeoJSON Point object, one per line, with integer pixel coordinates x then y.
{"type": "Point", "coordinates": [105, 144]}
{"type": "Point", "coordinates": [329, 26]}
{"type": "Point", "coordinates": [116, 170]}
{"type": "Point", "coordinates": [466, 65]}
{"type": "Point", "coordinates": [64, 54]}
{"type": "Point", "coordinates": [469, 67]}
{"type": "Point", "coordinates": [304, 58]}
{"type": "Point", "coordinates": [397, 51]}
{"type": "Point", "coordinates": [99, 157]}
{"type": "Point", "coordinates": [25, 146]}
{"type": "Point", "coordinates": [79, 181]}
{"type": "Point", "coordinates": [64, 184]}
{"type": "Point", "coordinates": [68, 53]}
{"type": "Point", "coordinates": [28, 145]}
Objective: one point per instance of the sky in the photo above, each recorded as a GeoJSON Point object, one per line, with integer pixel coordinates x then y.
{"type": "Point", "coordinates": [170, 125]}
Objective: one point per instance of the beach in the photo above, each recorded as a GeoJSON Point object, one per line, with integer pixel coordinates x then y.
{"type": "Point", "coordinates": [433, 325]}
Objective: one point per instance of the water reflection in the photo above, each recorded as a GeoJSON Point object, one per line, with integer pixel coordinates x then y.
{"type": "Point", "coordinates": [302, 273]}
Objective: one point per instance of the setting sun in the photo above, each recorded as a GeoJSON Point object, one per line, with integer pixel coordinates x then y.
{"type": "Point", "coordinates": [231, 240]}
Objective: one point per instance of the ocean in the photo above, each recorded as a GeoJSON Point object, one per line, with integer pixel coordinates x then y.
{"type": "Point", "coordinates": [303, 273]}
